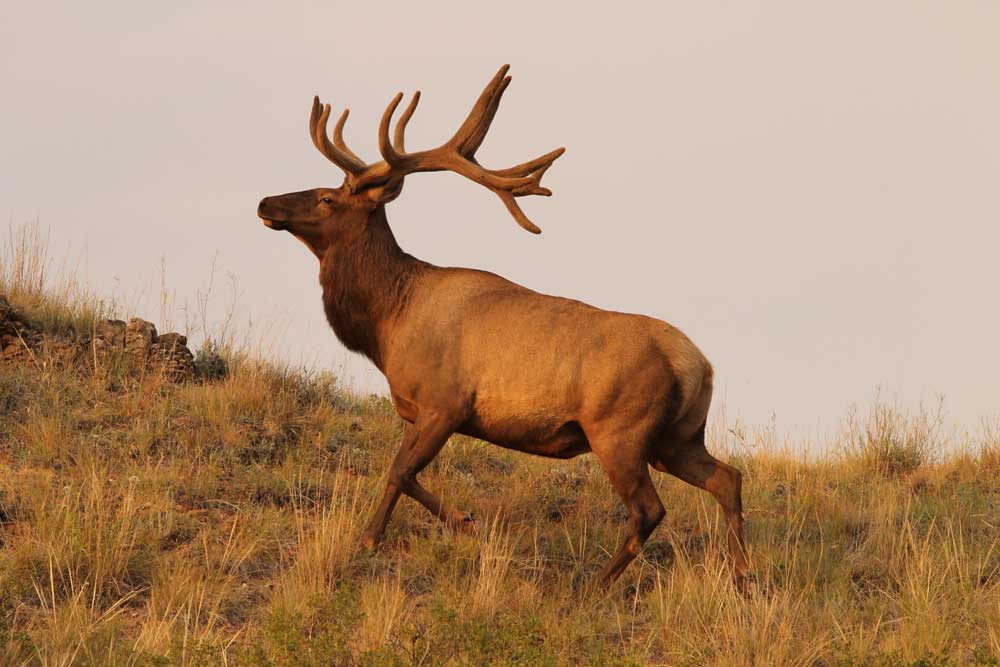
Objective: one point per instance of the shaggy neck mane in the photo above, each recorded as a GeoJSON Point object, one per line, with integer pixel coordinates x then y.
{"type": "Point", "coordinates": [366, 284]}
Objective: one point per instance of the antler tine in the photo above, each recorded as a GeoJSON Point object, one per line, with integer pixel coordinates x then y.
{"type": "Point", "coordinates": [469, 147]}
{"type": "Point", "coordinates": [385, 147]}
{"type": "Point", "coordinates": [480, 112]}
{"type": "Point", "coordinates": [398, 138]}
{"type": "Point", "coordinates": [314, 114]}
{"type": "Point", "coordinates": [347, 161]}
{"type": "Point", "coordinates": [508, 200]}
{"type": "Point", "coordinates": [338, 136]}
{"type": "Point", "coordinates": [534, 169]}
{"type": "Point", "coordinates": [531, 166]}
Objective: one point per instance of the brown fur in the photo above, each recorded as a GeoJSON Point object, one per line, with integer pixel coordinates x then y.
{"type": "Point", "coordinates": [469, 352]}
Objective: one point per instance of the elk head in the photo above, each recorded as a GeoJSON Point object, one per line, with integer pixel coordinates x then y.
{"type": "Point", "coordinates": [325, 216]}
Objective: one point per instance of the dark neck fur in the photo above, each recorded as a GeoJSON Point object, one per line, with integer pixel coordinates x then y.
{"type": "Point", "coordinates": [366, 282]}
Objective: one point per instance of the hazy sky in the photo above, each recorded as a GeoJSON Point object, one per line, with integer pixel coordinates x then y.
{"type": "Point", "coordinates": [811, 191]}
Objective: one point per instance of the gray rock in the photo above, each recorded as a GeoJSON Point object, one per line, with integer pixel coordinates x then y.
{"type": "Point", "coordinates": [139, 338]}
{"type": "Point", "coordinates": [173, 356]}
{"type": "Point", "coordinates": [111, 333]}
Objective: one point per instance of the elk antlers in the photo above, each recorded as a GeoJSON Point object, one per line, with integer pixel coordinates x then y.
{"type": "Point", "coordinates": [458, 154]}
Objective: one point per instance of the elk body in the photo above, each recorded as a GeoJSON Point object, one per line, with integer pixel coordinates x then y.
{"type": "Point", "coordinates": [466, 351]}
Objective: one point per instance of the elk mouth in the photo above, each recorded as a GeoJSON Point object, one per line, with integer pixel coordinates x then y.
{"type": "Point", "coordinates": [276, 225]}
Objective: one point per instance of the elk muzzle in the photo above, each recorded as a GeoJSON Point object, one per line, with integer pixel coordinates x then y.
{"type": "Point", "coordinates": [271, 214]}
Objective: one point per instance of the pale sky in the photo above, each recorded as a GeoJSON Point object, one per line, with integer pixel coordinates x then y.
{"type": "Point", "coordinates": [811, 191]}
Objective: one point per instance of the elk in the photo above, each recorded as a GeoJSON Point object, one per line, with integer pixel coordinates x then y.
{"type": "Point", "coordinates": [466, 351]}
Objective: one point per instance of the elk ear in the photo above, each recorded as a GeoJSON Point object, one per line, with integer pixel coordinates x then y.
{"type": "Point", "coordinates": [383, 194]}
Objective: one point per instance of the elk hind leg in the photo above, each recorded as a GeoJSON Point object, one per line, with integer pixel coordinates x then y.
{"type": "Point", "coordinates": [691, 462]}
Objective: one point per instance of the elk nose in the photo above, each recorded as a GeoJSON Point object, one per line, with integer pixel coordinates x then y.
{"type": "Point", "coordinates": [261, 206]}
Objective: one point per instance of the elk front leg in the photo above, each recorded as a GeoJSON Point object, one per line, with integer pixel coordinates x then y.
{"type": "Point", "coordinates": [421, 442]}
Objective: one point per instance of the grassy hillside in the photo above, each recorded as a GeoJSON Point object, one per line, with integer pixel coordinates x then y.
{"type": "Point", "coordinates": [215, 522]}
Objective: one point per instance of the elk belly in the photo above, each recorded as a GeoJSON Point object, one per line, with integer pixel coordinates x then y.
{"type": "Point", "coordinates": [533, 434]}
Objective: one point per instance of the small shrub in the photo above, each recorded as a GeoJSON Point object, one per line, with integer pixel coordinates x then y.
{"type": "Point", "coordinates": [14, 391]}
{"type": "Point", "coordinates": [319, 636]}
{"type": "Point", "coordinates": [210, 365]}
{"type": "Point", "coordinates": [893, 442]}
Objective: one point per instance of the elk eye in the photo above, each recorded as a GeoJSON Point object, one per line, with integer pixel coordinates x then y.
{"type": "Point", "coordinates": [327, 200]}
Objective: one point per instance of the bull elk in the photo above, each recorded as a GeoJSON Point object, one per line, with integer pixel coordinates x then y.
{"type": "Point", "coordinates": [466, 351]}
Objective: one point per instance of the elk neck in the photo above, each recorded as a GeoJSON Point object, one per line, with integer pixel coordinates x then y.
{"type": "Point", "coordinates": [367, 281]}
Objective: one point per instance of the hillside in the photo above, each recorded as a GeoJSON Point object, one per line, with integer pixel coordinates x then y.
{"type": "Point", "coordinates": [212, 518]}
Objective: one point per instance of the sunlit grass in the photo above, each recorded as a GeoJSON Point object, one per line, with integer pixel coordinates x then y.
{"type": "Point", "coordinates": [217, 523]}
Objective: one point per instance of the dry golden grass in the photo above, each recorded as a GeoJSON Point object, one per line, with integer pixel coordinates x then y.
{"type": "Point", "coordinates": [216, 523]}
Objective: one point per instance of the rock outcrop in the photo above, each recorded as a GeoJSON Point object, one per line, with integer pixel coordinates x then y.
{"type": "Point", "coordinates": [137, 341]}
{"type": "Point", "coordinates": [16, 335]}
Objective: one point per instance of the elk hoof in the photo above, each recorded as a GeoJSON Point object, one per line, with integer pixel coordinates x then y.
{"type": "Point", "coordinates": [463, 522]}
{"type": "Point", "coordinates": [744, 583]}
{"type": "Point", "coordinates": [369, 541]}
